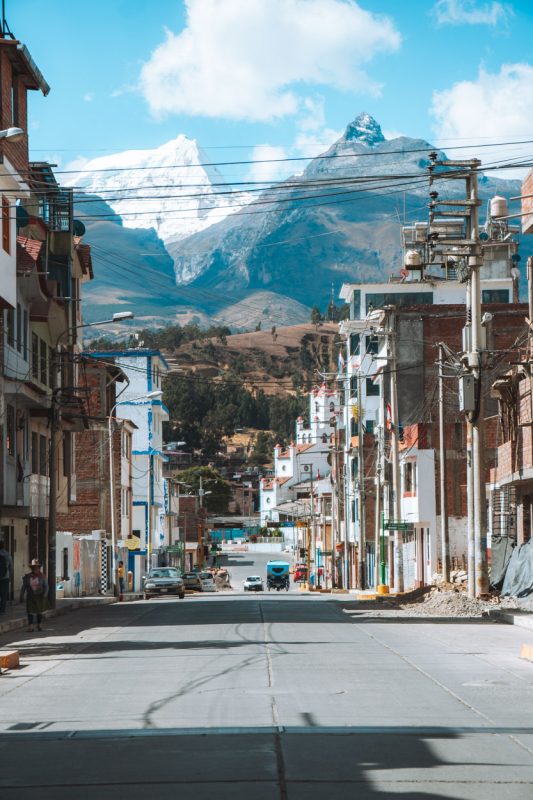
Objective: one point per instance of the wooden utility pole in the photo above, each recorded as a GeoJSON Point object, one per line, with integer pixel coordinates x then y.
{"type": "Point", "coordinates": [445, 541]}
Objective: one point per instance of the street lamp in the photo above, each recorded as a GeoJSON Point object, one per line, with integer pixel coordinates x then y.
{"type": "Point", "coordinates": [54, 428]}
{"type": "Point", "coordinates": [12, 134]}
{"type": "Point", "coordinates": [149, 396]}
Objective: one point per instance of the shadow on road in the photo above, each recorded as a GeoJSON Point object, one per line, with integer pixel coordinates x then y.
{"type": "Point", "coordinates": [369, 764]}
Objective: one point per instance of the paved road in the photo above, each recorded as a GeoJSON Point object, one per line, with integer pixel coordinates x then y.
{"type": "Point", "coordinates": [272, 697]}
{"type": "Point", "coordinates": [240, 565]}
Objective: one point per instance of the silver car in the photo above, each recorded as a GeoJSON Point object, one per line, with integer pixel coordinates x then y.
{"type": "Point", "coordinates": [163, 580]}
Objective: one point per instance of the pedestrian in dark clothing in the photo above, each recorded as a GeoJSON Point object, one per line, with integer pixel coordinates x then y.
{"type": "Point", "coordinates": [6, 574]}
{"type": "Point", "coordinates": [35, 587]}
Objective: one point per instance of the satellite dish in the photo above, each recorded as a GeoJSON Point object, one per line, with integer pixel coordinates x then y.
{"type": "Point", "coordinates": [78, 227]}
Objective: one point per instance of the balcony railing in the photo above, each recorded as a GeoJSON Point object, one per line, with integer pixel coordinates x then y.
{"type": "Point", "coordinates": [56, 210]}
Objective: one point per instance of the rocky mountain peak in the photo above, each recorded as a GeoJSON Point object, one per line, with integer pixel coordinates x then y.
{"type": "Point", "coordinates": [364, 129]}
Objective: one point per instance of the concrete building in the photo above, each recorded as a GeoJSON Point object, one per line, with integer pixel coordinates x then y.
{"type": "Point", "coordinates": [144, 370]}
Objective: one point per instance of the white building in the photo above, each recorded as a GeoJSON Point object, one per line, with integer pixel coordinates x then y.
{"type": "Point", "coordinates": [307, 459]}
{"type": "Point", "coordinates": [145, 370]}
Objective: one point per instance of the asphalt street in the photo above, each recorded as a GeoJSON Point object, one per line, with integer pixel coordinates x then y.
{"type": "Point", "coordinates": [271, 696]}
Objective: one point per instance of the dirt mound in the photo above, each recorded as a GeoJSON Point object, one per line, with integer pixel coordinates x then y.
{"type": "Point", "coordinates": [438, 603]}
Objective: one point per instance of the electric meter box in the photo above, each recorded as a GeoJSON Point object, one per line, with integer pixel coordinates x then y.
{"type": "Point", "coordinates": [467, 392]}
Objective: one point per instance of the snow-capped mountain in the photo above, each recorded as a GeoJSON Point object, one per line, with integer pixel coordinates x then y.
{"type": "Point", "coordinates": [168, 189]}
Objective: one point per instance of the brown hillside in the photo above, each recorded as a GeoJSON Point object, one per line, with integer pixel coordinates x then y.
{"type": "Point", "coordinates": [278, 362]}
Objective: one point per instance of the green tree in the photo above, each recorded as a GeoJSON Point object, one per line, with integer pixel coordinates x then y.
{"type": "Point", "coordinates": [316, 316]}
{"type": "Point", "coordinates": [212, 481]}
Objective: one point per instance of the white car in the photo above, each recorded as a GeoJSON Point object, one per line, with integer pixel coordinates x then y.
{"type": "Point", "coordinates": [253, 584]}
{"type": "Point", "coordinates": [208, 582]}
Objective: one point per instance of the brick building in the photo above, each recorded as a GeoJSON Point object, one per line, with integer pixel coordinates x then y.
{"type": "Point", "coordinates": [92, 509]}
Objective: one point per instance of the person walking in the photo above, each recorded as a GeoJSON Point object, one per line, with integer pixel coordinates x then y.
{"type": "Point", "coordinates": [121, 585]}
{"type": "Point", "coordinates": [35, 588]}
{"type": "Point", "coordinates": [6, 574]}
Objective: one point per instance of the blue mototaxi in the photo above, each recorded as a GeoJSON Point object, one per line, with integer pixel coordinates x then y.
{"type": "Point", "coordinates": [278, 575]}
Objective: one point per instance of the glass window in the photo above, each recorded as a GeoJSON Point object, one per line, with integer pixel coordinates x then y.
{"type": "Point", "coordinates": [19, 328]}
{"type": "Point", "coordinates": [35, 356]}
{"type": "Point", "coordinates": [372, 389]}
{"type": "Point", "coordinates": [35, 453]}
{"type": "Point", "coordinates": [355, 340]}
{"type": "Point", "coordinates": [25, 334]}
{"type": "Point", "coordinates": [354, 385]}
{"type": "Point", "coordinates": [372, 344]}
{"type": "Point", "coordinates": [10, 430]}
{"type": "Point", "coordinates": [6, 225]}
{"type": "Point", "coordinates": [495, 296]}
{"type": "Point", "coordinates": [43, 455]}
{"type": "Point", "coordinates": [356, 304]}
{"type": "Point", "coordinates": [10, 326]}
{"type": "Point", "coordinates": [44, 362]}
{"type": "Point", "coordinates": [400, 299]}
{"type": "Point", "coordinates": [409, 477]}
{"type": "Point", "coordinates": [369, 426]}
{"type": "Point", "coordinates": [354, 427]}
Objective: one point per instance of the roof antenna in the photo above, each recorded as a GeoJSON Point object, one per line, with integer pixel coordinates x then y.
{"type": "Point", "coordinates": [5, 26]}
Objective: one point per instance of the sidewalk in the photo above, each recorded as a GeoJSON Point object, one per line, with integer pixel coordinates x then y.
{"type": "Point", "coordinates": [15, 616]}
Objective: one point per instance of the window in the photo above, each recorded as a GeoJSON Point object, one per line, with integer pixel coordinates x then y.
{"type": "Point", "coordinates": [372, 389]}
{"type": "Point", "coordinates": [10, 430]}
{"type": "Point", "coordinates": [354, 386]}
{"type": "Point", "coordinates": [44, 362]}
{"type": "Point", "coordinates": [355, 341]}
{"type": "Point", "coordinates": [67, 451]}
{"type": "Point", "coordinates": [354, 427]}
{"type": "Point", "coordinates": [400, 299]}
{"type": "Point", "coordinates": [19, 327]}
{"type": "Point", "coordinates": [495, 296]}
{"type": "Point", "coordinates": [10, 326]}
{"type": "Point", "coordinates": [356, 304]}
{"type": "Point", "coordinates": [25, 334]}
{"type": "Point", "coordinates": [369, 426]}
{"type": "Point", "coordinates": [50, 365]}
{"type": "Point", "coordinates": [409, 477]}
{"type": "Point", "coordinates": [35, 356]}
{"type": "Point", "coordinates": [372, 344]}
{"type": "Point", "coordinates": [43, 455]}
{"type": "Point", "coordinates": [35, 453]}
{"type": "Point", "coordinates": [6, 225]}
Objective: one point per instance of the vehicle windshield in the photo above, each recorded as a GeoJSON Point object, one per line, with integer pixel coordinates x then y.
{"type": "Point", "coordinates": [253, 578]}
{"type": "Point", "coordinates": [168, 572]}
{"type": "Point", "coordinates": [206, 576]}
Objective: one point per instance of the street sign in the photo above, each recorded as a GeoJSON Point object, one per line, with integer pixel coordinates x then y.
{"type": "Point", "coordinates": [392, 525]}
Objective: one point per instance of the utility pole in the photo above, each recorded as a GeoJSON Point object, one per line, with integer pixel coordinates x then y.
{"type": "Point", "coordinates": [475, 362]}
{"type": "Point", "coordinates": [445, 542]}
{"type": "Point", "coordinates": [361, 480]}
{"type": "Point", "coordinates": [312, 548]}
{"type": "Point", "coordinates": [51, 567]}
{"type": "Point", "coordinates": [395, 455]}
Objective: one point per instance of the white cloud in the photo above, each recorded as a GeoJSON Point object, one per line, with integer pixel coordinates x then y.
{"type": "Point", "coordinates": [392, 134]}
{"type": "Point", "coordinates": [468, 12]}
{"type": "Point", "coordinates": [88, 97]}
{"type": "Point", "coordinates": [255, 59]}
{"type": "Point", "coordinates": [496, 106]}
{"type": "Point", "coordinates": [272, 169]}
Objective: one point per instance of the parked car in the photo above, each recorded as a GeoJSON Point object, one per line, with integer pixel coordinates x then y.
{"type": "Point", "coordinates": [163, 580]}
{"type": "Point", "coordinates": [253, 584]}
{"type": "Point", "coordinates": [192, 580]}
{"type": "Point", "coordinates": [208, 581]}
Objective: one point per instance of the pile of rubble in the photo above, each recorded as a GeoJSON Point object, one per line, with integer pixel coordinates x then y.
{"type": "Point", "coordinates": [452, 603]}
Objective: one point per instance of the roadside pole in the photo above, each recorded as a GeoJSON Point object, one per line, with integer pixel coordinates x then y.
{"type": "Point", "coordinates": [361, 480]}
{"type": "Point", "coordinates": [396, 499]}
{"type": "Point", "coordinates": [445, 543]}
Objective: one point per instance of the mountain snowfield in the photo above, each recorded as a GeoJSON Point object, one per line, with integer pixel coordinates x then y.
{"type": "Point", "coordinates": [178, 248]}
{"type": "Point", "coordinates": [167, 189]}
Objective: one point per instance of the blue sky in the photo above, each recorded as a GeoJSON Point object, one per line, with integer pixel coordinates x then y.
{"type": "Point", "coordinates": [287, 75]}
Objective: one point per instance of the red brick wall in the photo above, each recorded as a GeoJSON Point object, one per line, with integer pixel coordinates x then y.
{"type": "Point", "coordinates": [15, 152]}
{"type": "Point", "coordinates": [527, 203]}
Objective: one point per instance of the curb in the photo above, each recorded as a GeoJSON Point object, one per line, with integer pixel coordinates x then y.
{"type": "Point", "coordinates": [509, 618]}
